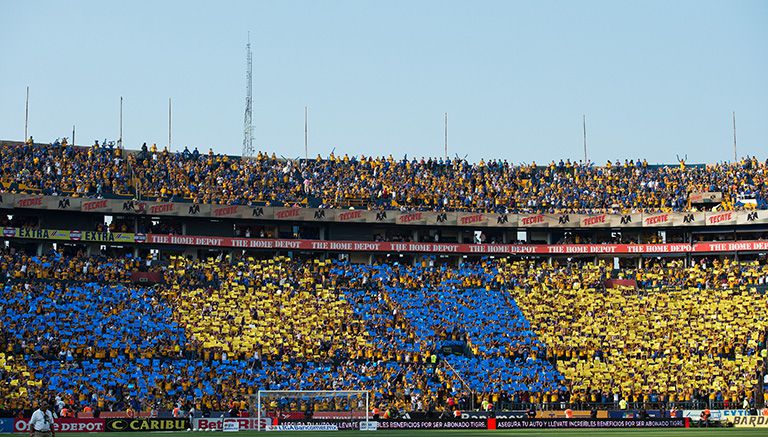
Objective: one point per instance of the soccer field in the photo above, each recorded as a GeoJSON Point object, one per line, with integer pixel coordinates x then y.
{"type": "Point", "coordinates": [692, 432]}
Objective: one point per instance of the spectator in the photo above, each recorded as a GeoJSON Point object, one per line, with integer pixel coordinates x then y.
{"type": "Point", "coordinates": [41, 423]}
{"type": "Point", "coordinates": [378, 183]}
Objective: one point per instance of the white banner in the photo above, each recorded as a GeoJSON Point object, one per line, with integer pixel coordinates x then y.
{"type": "Point", "coordinates": [369, 426]}
{"type": "Point", "coordinates": [715, 414]}
{"type": "Point", "coordinates": [231, 425]}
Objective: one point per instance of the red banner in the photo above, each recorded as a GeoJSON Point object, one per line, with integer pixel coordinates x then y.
{"type": "Point", "coordinates": [147, 277]}
{"type": "Point", "coordinates": [614, 283]}
{"type": "Point", "coordinates": [65, 425]}
{"type": "Point", "coordinates": [444, 248]}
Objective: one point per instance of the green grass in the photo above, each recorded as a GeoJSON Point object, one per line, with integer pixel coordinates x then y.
{"type": "Point", "coordinates": [692, 432]}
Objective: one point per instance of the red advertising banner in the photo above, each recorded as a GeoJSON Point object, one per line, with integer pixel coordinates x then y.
{"type": "Point", "coordinates": [65, 425]}
{"type": "Point", "coordinates": [146, 277]}
{"type": "Point", "coordinates": [596, 221]}
{"type": "Point", "coordinates": [613, 283]}
{"type": "Point", "coordinates": [446, 248]}
{"type": "Point", "coordinates": [167, 208]}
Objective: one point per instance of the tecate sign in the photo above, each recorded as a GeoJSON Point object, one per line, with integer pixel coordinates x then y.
{"type": "Point", "coordinates": [65, 425]}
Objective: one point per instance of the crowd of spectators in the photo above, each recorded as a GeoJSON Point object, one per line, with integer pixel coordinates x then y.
{"type": "Point", "coordinates": [683, 334]}
{"type": "Point", "coordinates": [62, 169]}
{"type": "Point", "coordinates": [517, 331]}
{"type": "Point", "coordinates": [702, 274]}
{"type": "Point", "coordinates": [412, 311]}
{"type": "Point", "coordinates": [88, 320]}
{"type": "Point", "coordinates": [376, 182]}
{"type": "Point", "coordinates": [278, 308]}
{"type": "Point", "coordinates": [18, 265]}
{"type": "Point", "coordinates": [18, 383]}
{"type": "Point", "coordinates": [214, 333]}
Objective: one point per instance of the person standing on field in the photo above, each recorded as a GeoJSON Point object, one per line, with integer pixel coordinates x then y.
{"type": "Point", "coordinates": [41, 424]}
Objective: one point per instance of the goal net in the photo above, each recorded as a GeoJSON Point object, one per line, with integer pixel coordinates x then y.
{"type": "Point", "coordinates": [308, 409]}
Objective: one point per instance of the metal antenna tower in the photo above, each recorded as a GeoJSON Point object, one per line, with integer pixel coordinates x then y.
{"type": "Point", "coordinates": [247, 122]}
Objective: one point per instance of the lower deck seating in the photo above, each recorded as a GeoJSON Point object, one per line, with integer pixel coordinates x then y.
{"type": "Point", "coordinates": [218, 330]}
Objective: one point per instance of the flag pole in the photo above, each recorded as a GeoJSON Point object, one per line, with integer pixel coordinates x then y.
{"type": "Point", "coordinates": [169, 124]}
{"type": "Point", "coordinates": [735, 158]}
{"type": "Point", "coordinates": [306, 142]}
{"type": "Point", "coordinates": [26, 116]}
{"type": "Point", "coordinates": [446, 136]}
{"type": "Point", "coordinates": [584, 124]}
{"type": "Point", "coordinates": [120, 142]}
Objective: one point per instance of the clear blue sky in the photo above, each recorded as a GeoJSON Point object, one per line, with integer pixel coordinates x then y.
{"type": "Point", "coordinates": [655, 78]}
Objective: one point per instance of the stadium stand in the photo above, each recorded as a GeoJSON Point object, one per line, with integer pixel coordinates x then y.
{"type": "Point", "coordinates": [438, 305]}
{"type": "Point", "coordinates": [273, 307]}
{"type": "Point", "coordinates": [52, 265]}
{"type": "Point", "coordinates": [212, 326]}
{"type": "Point", "coordinates": [684, 337]}
{"type": "Point", "coordinates": [18, 382]}
{"type": "Point", "coordinates": [375, 182]}
{"type": "Point", "coordinates": [377, 327]}
{"type": "Point", "coordinates": [87, 320]}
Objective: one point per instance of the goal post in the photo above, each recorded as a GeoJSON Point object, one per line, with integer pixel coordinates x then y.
{"type": "Point", "coordinates": [313, 405]}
